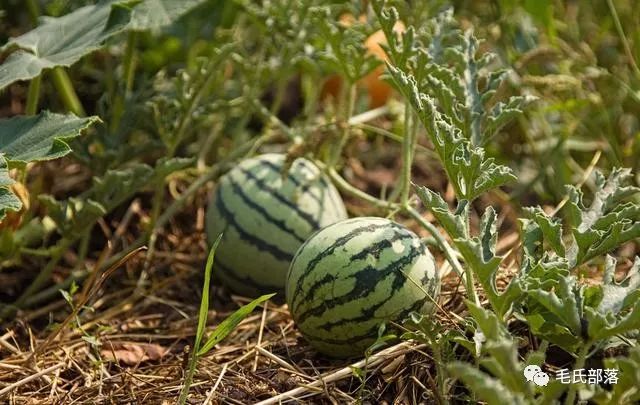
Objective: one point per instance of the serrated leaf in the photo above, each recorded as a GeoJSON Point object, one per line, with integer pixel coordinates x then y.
{"type": "Point", "coordinates": [455, 225]}
{"type": "Point", "coordinates": [40, 137]}
{"type": "Point", "coordinates": [563, 303]}
{"type": "Point", "coordinates": [618, 296]}
{"type": "Point", "coordinates": [156, 14]}
{"type": "Point", "coordinates": [116, 186]}
{"type": "Point", "coordinates": [607, 222]}
{"type": "Point", "coordinates": [467, 169]}
{"type": "Point", "coordinates": [74, 215]}
{"type": "Point", "coordinates": [63, 41]}
{"type": "Point", "coordinates": [551, 228]}
{"type": "Point", "coordinates": [487, 388]}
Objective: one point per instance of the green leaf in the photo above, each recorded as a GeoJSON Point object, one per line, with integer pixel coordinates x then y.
{"type": "Point", "coordinates": [164, 167]}
{"type": "Point", "coordinates": [455, 224]}
{"type": "Point", "coordinates": [5, 180]}
{"type": "Point", "coordinates": [607, 222]}
{"type": "Point", "coordinates": [470, 173]}
{"type": "Point", "coordinates": [551, 228]}
{"type": "Point", "coordinates": [204, 302]}
{"type": "Point", "coordinates": [487, 388]}
{"type": "Point", "coordinates": [617, 297]}
{"type": "Point", "coordinates": [228, 325]}
{"type": "Point", "coordinates": [74, 215]}
{"type": "Point", "coordinates": [63, 41]}
{"type": "Point", "coordinates": [8, 202]}
{"type": "Point", "coordinates": [626, 390]}
{"type": "Point", "coordinates": [40, 137]}
{"type": "Point", "coordinates": [563, 303]}
{"type": "Point", "coordinates": [156, 14]}
{"type": "Point", "coordinates": [116, 186]}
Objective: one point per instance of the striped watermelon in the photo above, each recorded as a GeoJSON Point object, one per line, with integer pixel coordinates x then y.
{"type": "Point", "coordinates": [265, 216]}
{"type": "Point", "coordinates": [350, 276]}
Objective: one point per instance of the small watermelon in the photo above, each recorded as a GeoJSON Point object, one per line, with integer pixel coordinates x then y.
{"type": "Point", "coordinates": [264, 216]}
{"type": "Point", "coordinates": [351, 276]}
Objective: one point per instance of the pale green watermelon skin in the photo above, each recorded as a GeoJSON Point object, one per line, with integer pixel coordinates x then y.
{"type": "Point", "coordinates": [265, 217]}
{"type": "Point", "coordinates": [351, 276]}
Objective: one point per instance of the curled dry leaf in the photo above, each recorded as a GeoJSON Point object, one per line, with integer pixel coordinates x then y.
{"type": "Point", "coordinates": [132, 353]}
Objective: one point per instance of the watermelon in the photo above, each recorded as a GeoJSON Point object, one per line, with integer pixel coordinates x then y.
{"type": "Point", "coordinates": [349, 277]}
{"type": "Point", "coordinates": [265, 215]}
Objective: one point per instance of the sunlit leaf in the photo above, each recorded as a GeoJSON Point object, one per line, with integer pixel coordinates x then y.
{"type": "Point", "coordinates": [40, 137]}
{"type": "Point", "coordinates": [156, 14]}
{"type": "Point", "coordinates": [63, 41]}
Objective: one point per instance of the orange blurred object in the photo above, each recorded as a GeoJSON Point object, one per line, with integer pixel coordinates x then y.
{"type": "Point", "coordinates": [378, 91]}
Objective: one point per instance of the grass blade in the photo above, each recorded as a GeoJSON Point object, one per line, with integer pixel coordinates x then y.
{"type": "Point", "coordinates": [229, 324]}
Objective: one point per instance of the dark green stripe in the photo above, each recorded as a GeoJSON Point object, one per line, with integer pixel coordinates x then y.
{"type": "Point", "coordinates": [246, 236]}
{"type": "Point", "coordinates": [226, 271]}
{"type": "Point", "coordinates": [294, 208]}
{"type": "Point", "coordinates": [372, 333]}
{"type": "Point", "coordinates": [280, 224]}
{"type": "Point", "coordinates": [311, 265]}
{"type": "Point", "coordinates": [304, 187]}
{"type": "Point", "coordinates": [375, 249]}
{"type": "Point", "coordinates": [366, 281]}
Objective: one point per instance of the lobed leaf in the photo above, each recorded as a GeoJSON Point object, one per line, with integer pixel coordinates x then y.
{"type": "Point", "coordinates": [64, 40]}
{"type": "Point", "coordinates": [41, 137]}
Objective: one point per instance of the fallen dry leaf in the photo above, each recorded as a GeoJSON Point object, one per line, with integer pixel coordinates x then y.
{"type": "Point", "coordinates": [132, 353]}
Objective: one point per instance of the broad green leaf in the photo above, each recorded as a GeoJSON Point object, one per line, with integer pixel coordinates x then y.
{"type": "Point", "coordinates": [40, 137]}
{"type": "Point", "coordinates": [63, 41]}
{"type": "Point", "coordinates": [156, 14]}
{"type": "Point", "coordinates": [228, 325]}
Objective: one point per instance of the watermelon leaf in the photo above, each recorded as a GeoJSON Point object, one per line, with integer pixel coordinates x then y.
{"type": "Point", "coordinates": [156, 14]}
{"type": "Point", "coordinates": [64, 40]}
{"type": "Point", "coordinates": [42, 137]}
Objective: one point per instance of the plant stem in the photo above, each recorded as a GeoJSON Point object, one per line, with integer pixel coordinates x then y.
{"type": "Point", "coordinates": [449, 253]}
{"type": "Point", "coordinates": [33, 95]}
{"type": "Point", "coordinates": [66, 91]}
{"type": "Point", "coordinates": [408, 147]}
{"type": "Point", "coordinates": [34, 11]}
{"type": "Point", "coordinates": [580, 360]}
{"type": "Point", "coordinates": [623, 38]}
{"type": "Point", "coordinates": [346, 129]}
{"type": "Point", "coordinates": [129, 66]}
{"type": "Point", "coordinates": [188, 379]}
